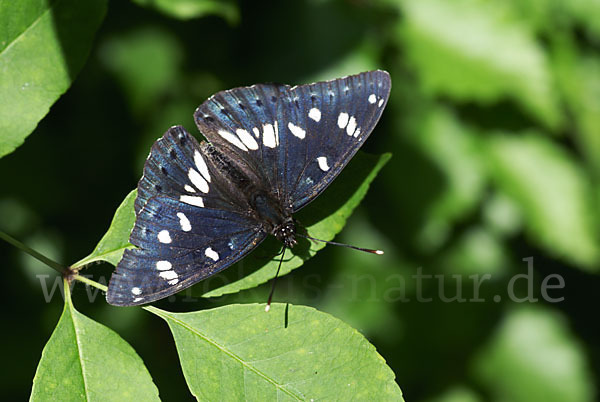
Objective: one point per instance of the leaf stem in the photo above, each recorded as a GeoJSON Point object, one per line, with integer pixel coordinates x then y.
{"type": "Point", "coordinates": [90, 282]}
{"type": "Point", "coordinates": [52, 264]}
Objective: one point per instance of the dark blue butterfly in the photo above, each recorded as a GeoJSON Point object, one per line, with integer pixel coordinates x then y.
{"type": "Point", "coordinates": [271, 150]}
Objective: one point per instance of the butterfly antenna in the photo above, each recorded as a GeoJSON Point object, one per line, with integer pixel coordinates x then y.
{"type": "Point", "coordinates": [268, 306]}
{"type": "Point", "coordinates": [366, 250]}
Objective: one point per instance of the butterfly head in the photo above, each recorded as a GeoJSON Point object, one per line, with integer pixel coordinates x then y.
{"type": "Point", "coordinates": [286, 233]}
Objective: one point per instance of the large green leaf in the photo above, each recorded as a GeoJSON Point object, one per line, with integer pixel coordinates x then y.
{"type": "Point", "coordinates": [474, 50]}
{"type": "Point", "coordinates": [240, 352]}
{"type": "Point", "coordinates": [187, 9]}
{"type": "Point", "coordinates": [553, 192]}
{"type": "Point", "coordinates": [116, 239]}
{"type": "Point", "coordinates": [85, 361]}
{"type": "Point", "coordinates": [534, 357]}
{"type": "Point", "coordinates": [43, 45]}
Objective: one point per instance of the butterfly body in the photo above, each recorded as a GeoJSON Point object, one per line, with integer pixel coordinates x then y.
{"type": "Point", "coordinates": [263, 206]}
{"type": "Point", "coordinates": [271, 150]}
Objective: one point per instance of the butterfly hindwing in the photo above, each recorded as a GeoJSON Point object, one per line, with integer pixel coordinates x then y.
{"type": "Point", "coordinates": [178, 244]}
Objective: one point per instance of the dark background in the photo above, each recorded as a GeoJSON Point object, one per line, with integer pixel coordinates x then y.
{"type": "Point", "coordinates": [493, 124]}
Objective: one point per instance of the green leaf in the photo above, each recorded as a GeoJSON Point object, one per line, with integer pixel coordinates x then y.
{"type": "Point", "coordinates": [552, 19]}
{"type": "Point", "coordinates": [127, 55]}
{"type": "Point", "coordinates": [116, 239]}
{"type": "Point", "coordinates": [553, 192]}
{"type": "Point", "coordinates": [43, 45]}
{"type": "Point", "coordinates": [323, 218]}
{"type": "Point", "coordinates": [187, 9]}
{"type": "Point", "coordinates": [473, 50]}
{"type": "Point", "coordinates": [584, 12]}
{"type": "Point", "coordinates": [534, 357]}
{"type": "Point", "coordinates": [579, 79]}
{"type": "Point", "coordinates": [457, 394]}
{"type": "Point", "coordinates": [455, 150]}
{"type": "Point", "coordinates": [240, 352]}
{"type": "Point", "coordinates": [84, 360]}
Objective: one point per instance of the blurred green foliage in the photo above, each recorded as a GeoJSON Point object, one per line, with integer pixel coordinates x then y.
{"type": "Point", "coordinates": [494, 127]}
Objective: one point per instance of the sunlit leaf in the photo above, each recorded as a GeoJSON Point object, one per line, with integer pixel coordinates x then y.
{"type": "Point", "coordinates": [144, 83]}
{"type": "Point", "coordinates": [455, 150]}
{"type": "Point", "coordinates": [584, 12]}
{"type": "Point", "coordinates": [552, 191]}
{"type": "Point", "coordinates": [579, 79]}
{"type": "Point", "coordinates": [86, 361]}
{"type": "Point", "coordinates": [473, 50]}
{"type": "Point", "coordinates": [240, 352]}
{"type": "Point", "coordinates": [457, 394]}
{"type": "Point", "coordinates": [535, 357]}
{"type": "Point", "coordinates": [43, 45]}
{"type": "Point", "coordinates": [187, 9]}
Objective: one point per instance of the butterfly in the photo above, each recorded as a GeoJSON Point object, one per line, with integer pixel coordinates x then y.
{"type": "Point", "coordinates": [270, 150]}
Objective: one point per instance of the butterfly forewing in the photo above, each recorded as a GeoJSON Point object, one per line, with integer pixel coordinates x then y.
{"type": "Point", "coordinates": [178, 245]}
{"type": "Point", "coordinates": [177, 168]}
{"type": "Point", "coordinates": [244, 122]}
{"type": "Point", "coordinates": [326, 123]}
{"type": "Point", "coordinates": [300, 138]}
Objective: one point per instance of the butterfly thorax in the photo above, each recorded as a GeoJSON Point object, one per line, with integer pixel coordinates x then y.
{"type": "Point", "coordinates": [279, 223]}
{"type": "Point", "coordinates": [263, 205]}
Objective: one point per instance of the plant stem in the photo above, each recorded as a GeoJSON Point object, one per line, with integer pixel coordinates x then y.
{"type": "Point", "coordinates": [52, 264]}
{"type": "Point", "coordinates": [90, 282]}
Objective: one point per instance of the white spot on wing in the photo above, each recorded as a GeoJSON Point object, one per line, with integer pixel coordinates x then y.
{"type": "Point", "coordinates": [169, 275]}
{"type": "Point", "coordinates": [372, 98]}
{"type": "Point", "coordinates": [184, 222]}
{"type": "Point", "coordinates": [164, 237]}
{"type": "Point", "coordinates": [198, 181]}
{"type": "Point", "coordinates": [137, 299]}
{"type": "Point", "coordinates": [322, 161]}
{"type": "Point", "coordinates": [357, 132]}
{"type": "Point", "coordinates": [232, 139]}
{"type": "Point", "coordinates": [163, 265]}
{"type": "Point", "coordinates": [174, 282]}
{"type": "Point", "coordinates": [269, 136]}
{"type": "Point", "coordinates": [189, 199]}
{"type": "Point", "coordinates": [380, 102]}
{"type": "Point", "coordinates": [201, 165]}
{"type": "Point", "coordinates": [212, 254]}
{"type": "Point", "coordinates": [189, 188]}
{"type": "Point", "coordinates": [343, 120]}
{"type": "Point", "coordinates": [351, 126]}
{"type": "Point", "coordinates": [136, 291]}
{"type": "Point", "coordinates": [297, 131]}
{"type": "Point", "coordinates": [314, 114]}
{"type": "Point", "coordinates": [246, 138]}
{"type": "Point", "coordinates": [256, 132]}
